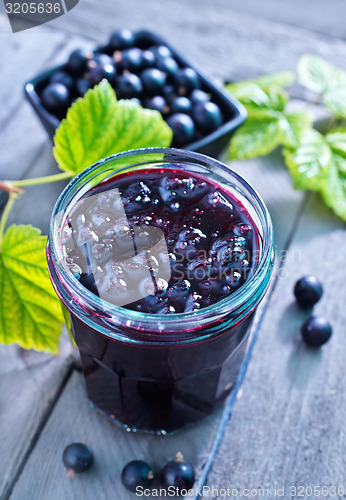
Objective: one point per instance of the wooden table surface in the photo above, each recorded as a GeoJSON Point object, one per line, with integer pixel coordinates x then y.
{"type": "Point", "coordinates": [285, 426]}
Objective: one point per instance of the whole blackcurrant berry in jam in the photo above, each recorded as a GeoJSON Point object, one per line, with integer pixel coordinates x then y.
{"type": "Point", "coordinates": [78, 457]}
{"type": "Point", "coordinates": [308, 291]}
{"type": "Point", "coordinates": [178, 474]}
{"type": "Point", "coordinates": [137, 473]}
{"type": "Point", "coordinates": [316, 331]}
{"type": "Point", "coordinates": [55, 96]}
{"type": "Point", "coordinates": [121, 39]}
{"type": "Point", "coordinates": [182, 127]}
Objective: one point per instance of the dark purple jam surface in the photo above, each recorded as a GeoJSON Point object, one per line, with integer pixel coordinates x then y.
{"type": "Point", "coordinates": [172, 242]}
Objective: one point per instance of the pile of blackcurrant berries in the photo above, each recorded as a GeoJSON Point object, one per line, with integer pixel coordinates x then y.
{"type": "Point", "coordinates": [176, 474]}
{"type": "Point", "coordinates": [151, 76]}
{"type": "Point", "coordinates": [78, 458]}
{"type": "Point", "coordinates": [315, 330]}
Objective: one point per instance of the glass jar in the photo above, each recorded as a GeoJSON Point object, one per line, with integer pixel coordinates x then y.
{"type": "Point", "coordinates": [158, 372]}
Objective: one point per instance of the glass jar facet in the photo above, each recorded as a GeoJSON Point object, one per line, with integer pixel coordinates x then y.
{"type": "Point", "coordinates": [155, 371]}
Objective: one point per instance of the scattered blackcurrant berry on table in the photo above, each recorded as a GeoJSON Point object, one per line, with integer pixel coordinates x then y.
{"type": "Point", "coordinates": [77, 457]}
{"type": "Point", "coordinates": [137, 473]}
{"type": "Point", "coordinates": [308, 291]}
{"type": "Point", "coordinates": [128, 86]}
{"type": "Point", "coordinates": [55, 96]}
{"type": "Point", "coordinates": [187, 80]}
{"type": "Point", "coordinates": [207, 116]}
{"type": "Point", "coordinates": [182, 127]}
{"type": "Point", "coordinates": [316, 331]}
{"type": "Point", "coordinates": [63, 78]}
{"type": "Point", "coordinates": [121, 39]}
{"type": "Point", "coordinates": [181, 105]}
{"type": "Point", "coordinates": [178, 474]}
{"type": "Point", "coordinates": [153, 80]}
{"type": "Point", "coordinates": [77, 61]}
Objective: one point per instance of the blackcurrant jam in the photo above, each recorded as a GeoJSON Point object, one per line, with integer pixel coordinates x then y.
{"type": "Point", "coordinates": [161, 258]}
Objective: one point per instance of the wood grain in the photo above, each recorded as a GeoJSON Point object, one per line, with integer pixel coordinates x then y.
{"type": "Point", "coordinates": [288, 428]}
{"type": "Point", "coordinates": [75, 420]}
{"type": "Point", "coordinates": [227, 44]}
{"type": "Point", "coordinates": [29, 382]}
{"type": "Point", "coordinates": [278, 429]}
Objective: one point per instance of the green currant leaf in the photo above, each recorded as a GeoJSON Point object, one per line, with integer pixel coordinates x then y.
{"type": "Point", "coordinates": [321, 77]}
{"type": "Point", "coordinates": [254, 97]}
{"type": "Point", "coordinates": [335, 97]}
{"type": "Point", "coordinates": [97, 126]}
{"type": "Point", "coordinates": [259, 135]}
{"type": "Point", "coordinates": [30, 312]}
{"type": "Point", "coordinates": [337, 141]}
{"type": "Point", "coordinates": [315, 73]}
{"type": "Point", "coordinates": [334, 187]}
{"type": "Point", "coordinates": [283, 79]}
{"type": "Point", "coordinates": [309, 162]}
{"type": "Point", "coordinates": [293, 126]}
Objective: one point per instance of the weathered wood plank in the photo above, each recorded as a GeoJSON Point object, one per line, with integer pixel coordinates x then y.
{"type": "Point", "coordinates": [74, 420]}
{"type": "Point", "coordinates": [319, 16]}
{"type": "Point", "coordinates": [214, 52]}
{"type": "Point", "coordinates": [22, 136]}
{"type": "Point", "coordinates": [29, 382]}
{"type": "Point", "coordinates": [288, 428]}
{"type": "Point", "coordinates": [272, 181]}
{"type": "Point", "coordinates": [229, 45]}
{"type": "Point", "coordinates": [35, 206]}
{"type": "Point", "coordinates": [30, 51]}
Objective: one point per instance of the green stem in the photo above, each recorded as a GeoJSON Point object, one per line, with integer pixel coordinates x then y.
{"type": "Point", "coordinates": [42, 180]}
{"type": "Point", "coordinates": [11, 200]}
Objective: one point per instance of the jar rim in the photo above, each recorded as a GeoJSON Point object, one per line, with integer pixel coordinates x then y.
{"type": "Point", "coordinates": [225, 306]}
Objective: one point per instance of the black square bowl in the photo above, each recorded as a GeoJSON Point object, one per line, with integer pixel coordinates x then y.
{"type": "Point", "coordinates": [213, 144]}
